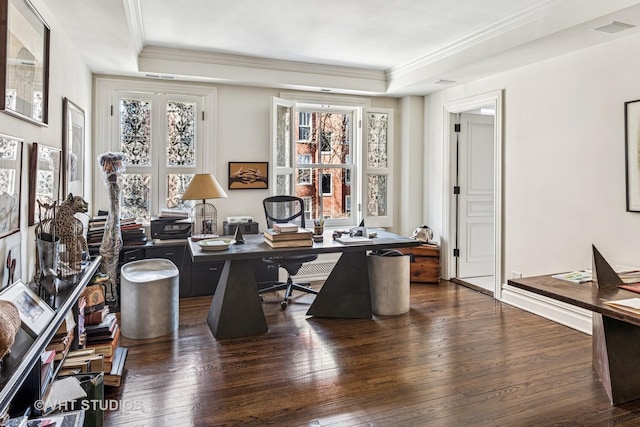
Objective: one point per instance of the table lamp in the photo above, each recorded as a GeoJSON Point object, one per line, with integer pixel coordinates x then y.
{"type": "Point", "coordinates": [205, 216]}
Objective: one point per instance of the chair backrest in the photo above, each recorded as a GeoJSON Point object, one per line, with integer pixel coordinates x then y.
{"type": "Point", "coordinates": [278, 209]}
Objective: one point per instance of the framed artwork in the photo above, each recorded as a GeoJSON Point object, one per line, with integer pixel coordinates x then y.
{"type": "Point", "coordinates": [35, 314]}
{"type": "Point", "coordinates": [248, 175]}
{"type": "Point", "coordinates": [24, 73]}
{"type": "Point", "coordinates": [632, 154]}
{"type": "Point", "coordinates": [45, 177]}
{"type": "Point", "coordinates": [10, 180]}
{"type": "Point", "coordinates": [10, 256]}
{"type": "Point", "coordinates": [73, 140]}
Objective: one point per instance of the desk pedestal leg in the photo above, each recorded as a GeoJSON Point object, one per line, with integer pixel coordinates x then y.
{"type": "Point", "coordinates": [616, 357]}
{"type": "Point", "coordinates": [236, 310]}
{"type": "Point", "coordinates": [345, 293]}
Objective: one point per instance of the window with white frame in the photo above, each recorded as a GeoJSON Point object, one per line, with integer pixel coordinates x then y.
{"type": "Point", "coordinates": [307, 207]}
{"type": "Point", "coordinates": [351, 166]}
{"type": "Point", "coordinates": [161, 129]}
{"type": "Point", "coordinates": [304, 126]}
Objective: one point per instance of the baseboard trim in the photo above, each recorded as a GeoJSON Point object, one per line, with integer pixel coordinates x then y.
{"type": "Point", "coordinates": [565, 314]}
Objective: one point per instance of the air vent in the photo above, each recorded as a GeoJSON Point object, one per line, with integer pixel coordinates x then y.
{"type": "Point", "coordinates": [614, 27]}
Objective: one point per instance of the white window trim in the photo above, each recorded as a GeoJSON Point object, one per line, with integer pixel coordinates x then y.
{"type": "Point", "coordinates": [105, 88]}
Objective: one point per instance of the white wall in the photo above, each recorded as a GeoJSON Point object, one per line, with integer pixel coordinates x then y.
{"type": "Point", "coordinates": [68, 77]}
{"type": "Point", "coordinates": [564, 165]}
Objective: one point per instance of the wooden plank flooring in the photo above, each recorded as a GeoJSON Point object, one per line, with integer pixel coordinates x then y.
{"type": "Point", "coordinates": [458, 358]}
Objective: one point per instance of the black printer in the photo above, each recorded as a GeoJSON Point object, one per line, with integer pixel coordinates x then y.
{"type": "Point", "coordinates": [168, 228]}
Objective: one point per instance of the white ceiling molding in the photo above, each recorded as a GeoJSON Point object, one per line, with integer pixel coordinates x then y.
{"type": "Point", "coordinates": [133, 13]}
{"type": "Point", "coordinates": [260, 71]}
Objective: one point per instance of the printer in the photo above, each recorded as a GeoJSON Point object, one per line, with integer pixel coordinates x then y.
{"type": "Point", "coordinates": [169, 228]}
{"type": "Point", "coordinates": [244, 223]}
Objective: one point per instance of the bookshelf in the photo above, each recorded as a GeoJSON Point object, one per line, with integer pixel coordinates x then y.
{"type": "Point", "coordinates": [20, 369]}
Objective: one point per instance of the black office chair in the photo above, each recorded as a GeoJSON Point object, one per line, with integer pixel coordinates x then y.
{"type": "Point", "coordinates": [279, 209]}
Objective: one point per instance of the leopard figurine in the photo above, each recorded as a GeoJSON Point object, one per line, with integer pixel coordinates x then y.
{"type": "Point", "coordinates": [70, 231]}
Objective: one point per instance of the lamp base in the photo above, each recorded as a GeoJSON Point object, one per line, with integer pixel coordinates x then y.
{"type": "Point", "coordinates": [196, 237]}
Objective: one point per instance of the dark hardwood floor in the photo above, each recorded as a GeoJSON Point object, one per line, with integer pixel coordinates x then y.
{"type": "Point", "coordinates": [458, 358]}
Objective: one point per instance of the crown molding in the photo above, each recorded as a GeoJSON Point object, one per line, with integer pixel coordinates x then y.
{"type": "Point", "coordinates": [133, 12]}
{"type": "Point", "coordinates": [251, 62]}
{"type": "Point", "coordinates": [475, 38]}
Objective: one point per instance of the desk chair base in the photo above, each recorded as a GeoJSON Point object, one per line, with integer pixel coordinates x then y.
{"type": "Point", "coordinates": [290, 286]}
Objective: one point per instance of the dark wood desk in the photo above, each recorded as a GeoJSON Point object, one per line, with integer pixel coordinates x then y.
{"type": "Point", "coordinates": [616, 333]}
{"type": "Point", "coordinates": [236, 309]}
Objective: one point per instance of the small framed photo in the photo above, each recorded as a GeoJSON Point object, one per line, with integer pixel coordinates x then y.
{"type": "Point", "coordinates": [248, 175]}
{"type": "Point", "coordinates": [35, 314]}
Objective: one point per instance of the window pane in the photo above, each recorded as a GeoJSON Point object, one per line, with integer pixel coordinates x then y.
{"type": "Point", "coordinates": [283, 137]}
{"type": "Point", "coordinates": [283, 184]}
{"type": "Point", "coordinates": [304, 126]}
{"type": "Point", "coordinates": [377, 140]}
{"type": "Point", "coordinates": [176, 186]}
{"type": "Point", "coordinates": [334, 138]}
{"type": "Point", "coordinates": [377, 195]}
{"type": "Point", "coordinates": [135, 130]}
{"type": "Point", "coordinates": [181, 142]}
{"type": "Point", "coordinates": [327, 185]}
{"type": "Point", "coordinates": [136, 189]}
{"type": "Point", "coordinates": [304, 177]}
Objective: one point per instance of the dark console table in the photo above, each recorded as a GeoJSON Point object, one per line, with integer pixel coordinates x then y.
{"type": "Point", "coordinates": [616, 332]}
{"type": "Point", "coordinates": [236, 309]}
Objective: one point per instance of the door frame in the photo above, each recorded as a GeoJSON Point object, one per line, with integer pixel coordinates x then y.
{"type": "Point", "coordinates": [493, 99]}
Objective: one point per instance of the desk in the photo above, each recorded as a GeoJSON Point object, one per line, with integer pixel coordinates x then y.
{"type": "Point", "coordinates": [616, 333]}
{"type": "Point", "coordinates": [236, 309]}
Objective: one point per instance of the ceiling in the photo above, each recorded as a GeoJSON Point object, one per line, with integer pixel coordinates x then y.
{"type": "Point", "coordinates": [374, 47]}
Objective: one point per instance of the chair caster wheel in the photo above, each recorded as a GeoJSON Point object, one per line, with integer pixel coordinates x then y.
{"type": "Point", "coordinates": [283, 305]}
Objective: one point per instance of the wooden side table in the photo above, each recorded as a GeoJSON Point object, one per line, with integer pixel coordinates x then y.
{"type": "Point", "coordinates": [425, 263]}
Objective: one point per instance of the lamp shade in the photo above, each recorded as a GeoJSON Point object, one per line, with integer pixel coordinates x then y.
{"type": "Point", "coordinates": [203, 186]}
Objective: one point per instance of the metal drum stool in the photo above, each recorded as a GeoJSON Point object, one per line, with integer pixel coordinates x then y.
{"type": "Point", "coordinates": [390, 282]}
{"type": "Point", "coordinates": [149, 292]}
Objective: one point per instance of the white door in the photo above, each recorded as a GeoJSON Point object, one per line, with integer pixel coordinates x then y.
{"type": "Point", "coordinates": [475, 201]}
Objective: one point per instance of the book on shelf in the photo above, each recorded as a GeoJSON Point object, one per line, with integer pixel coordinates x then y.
{"type": "Point", "coordinates": [106, 348]}
{"type": "Point", "coordinates": [300, 234]}
{"type": "Point", "coordinates": [285, 227]}
{"type": "Point", "coordinates": [290, 243]}
{"type": "Point", "coordinates": [114, 377]}
{"type": "Point", "coordinates": [105, 337]}
{"type": "Point", "coordinates": [96, 317]}
{"type": "Point", "coordinates": [578, 276]}
{"type": "Point", "coordinates": [104, 327]}
{"type": "Point", "coordinates": [89, 363]}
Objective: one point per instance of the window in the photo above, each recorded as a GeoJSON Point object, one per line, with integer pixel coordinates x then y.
{"type": "Point", "coordinates": [326, 184]}
{"type": "Point", "coordinates": [304, 174]}
{"type": "Point", "coordinates": [340, 163]}
{"type": "Point", "coordinates": [161, 130]}
{"type": "Point", "coordinates": [307, 207]}
{"type": "Point", "coordinates": [304, 126]}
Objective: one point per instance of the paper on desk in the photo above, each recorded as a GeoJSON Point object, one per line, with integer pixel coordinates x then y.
{"type": "Point", "coordinates": [632, 304]}
{"type": "Point", "coordinates": [67, 389]}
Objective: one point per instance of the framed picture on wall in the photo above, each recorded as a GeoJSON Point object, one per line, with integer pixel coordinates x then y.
{"type": "Point", "coordinates": [632, 154]}
{"type": "Point", "coordinates": [24, 76]}
{"type": "Point", "coordinates": [73, 140]}
{"type": "Point", "coordinates": [10, 256]}
{"type": "Point", "coordinates": [45, 178]}
{"type": "Point", "coordinates": [248, 175]}
{"type": "Point", "coordinates": [10, 180]}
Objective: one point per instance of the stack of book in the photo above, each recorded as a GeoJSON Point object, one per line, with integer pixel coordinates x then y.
{"type": "Point", "coordinates": [82, 360]}
{"type": "Point", "coordinates": [104, 339]}
{"type": "Point", "coordinates": [288, 236]}
{"type": "Point", "coordinates": [63, 338]}
{"type": "Point", "coordinates": [132, 231]}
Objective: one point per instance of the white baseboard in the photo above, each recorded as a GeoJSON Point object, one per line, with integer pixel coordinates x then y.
{"type": "Point", "coordinates": [565, 314]}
